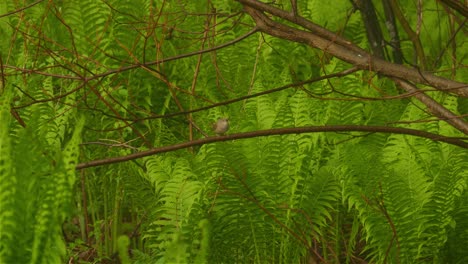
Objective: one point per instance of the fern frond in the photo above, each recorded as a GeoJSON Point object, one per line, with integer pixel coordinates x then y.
{"type": "Point", "coordinates": [48, 244]}
{"type": "Point", "coordinates": [449, 184]}
{"type": "Point", "coordinates": [8, 184]}
{"type": "Point", "coordinates": [174, 220]}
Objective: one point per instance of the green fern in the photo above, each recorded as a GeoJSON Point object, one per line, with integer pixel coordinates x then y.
{"type": "Point", "coordinates": [174, 220]}
{"type": "Point", "coordinates": [8, 185]}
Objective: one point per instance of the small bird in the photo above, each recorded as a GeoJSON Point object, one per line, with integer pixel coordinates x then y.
{"type": "Point", "coordinates": [221, 126]}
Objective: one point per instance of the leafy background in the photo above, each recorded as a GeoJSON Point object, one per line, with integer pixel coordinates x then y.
{"type": "Point", "coordinates": [86, 80]}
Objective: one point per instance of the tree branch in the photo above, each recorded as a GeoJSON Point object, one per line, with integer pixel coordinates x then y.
{"type": "Point", "coordinates": [364, 60]}
{"type": "Point", "coordinates": [279, 131]}
{"type": "Point", "coordinates": [392, 32]}
{"type": "Point", "coordinates": [411, 34]}
{"type": "Point", "coordinates": [457, 6]}
{"type": "Point", "coordinates": [434, 107]}
{"type": "Point", "coordinates": [343, 49]}
{"type": "Point", "coordinates": [374, 33]}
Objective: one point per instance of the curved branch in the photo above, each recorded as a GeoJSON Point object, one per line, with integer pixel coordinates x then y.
{"type": "Point", "coordinates": [279, 131]}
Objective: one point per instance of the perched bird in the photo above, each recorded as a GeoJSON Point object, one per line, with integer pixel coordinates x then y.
{"type": "Point", "coordinates": [221, 126]}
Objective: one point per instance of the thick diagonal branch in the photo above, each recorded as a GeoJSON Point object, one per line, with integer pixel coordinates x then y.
{"type": "Point", "coordinates": [363, 60]}
{"type": "Point", "coordinates": [331, 43]}
{"type": "Point", "coordinates": [434, 107]}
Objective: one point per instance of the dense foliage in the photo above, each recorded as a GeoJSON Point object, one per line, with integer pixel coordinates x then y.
{"type": "Point", "coordinates": [87, 80]}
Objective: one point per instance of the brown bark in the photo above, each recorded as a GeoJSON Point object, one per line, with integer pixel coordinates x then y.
{"type": "Point", "coordinates": [341, 48]}
{"type": "Point", "coordinates": [329, 42]}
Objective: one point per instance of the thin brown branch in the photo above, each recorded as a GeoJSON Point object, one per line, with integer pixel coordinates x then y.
{"type": "Point", "coordinates": [21, 9]}
{"type": "Point", "coordinates": [279, 131]}
{"type": "Point", "coordinates": [197, 71]}
{"type": "Point", "coordinates": [381, 206]}
{"type": "Point", "coordinates": [241, 98]}
{"type": "Point", "coordinates": [256, 201]}
{"type": "Point", "coordinates": [85, 80]}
